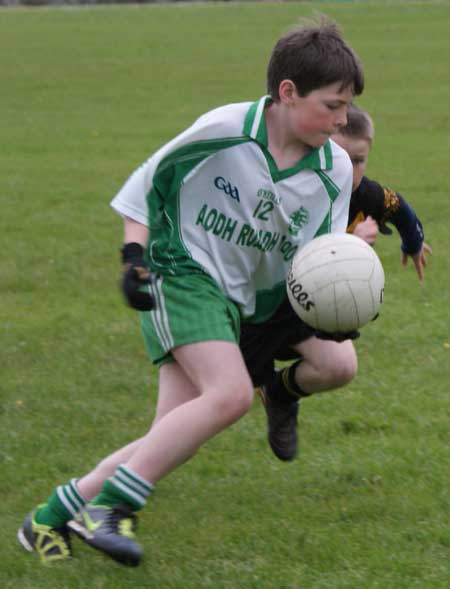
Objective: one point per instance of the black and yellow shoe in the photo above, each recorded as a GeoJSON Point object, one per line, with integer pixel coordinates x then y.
{"type": "Point", "coordinates": [52, 544]}
{"type": "Point", "coordinates": [282, 422]}
{"type": "Point", "coordinates": [109, 529]}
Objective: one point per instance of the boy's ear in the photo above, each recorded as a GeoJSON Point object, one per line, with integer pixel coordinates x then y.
{"type": "Point", "coordinates": [287, 92]}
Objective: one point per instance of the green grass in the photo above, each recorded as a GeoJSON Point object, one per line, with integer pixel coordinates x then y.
{"type": "Point", "coordinates": [86, 95]}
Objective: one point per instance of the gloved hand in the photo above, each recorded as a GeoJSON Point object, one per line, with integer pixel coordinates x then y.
{"type": "Point", "coordinates": [337, 337]}
{"type": "Point", "coordinates": [136, 274]}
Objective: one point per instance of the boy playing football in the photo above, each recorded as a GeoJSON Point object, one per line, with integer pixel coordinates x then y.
{"type": "Point", "coordinates": [217, 215]}
{"type": "Point", "coordinates": [323, 364]}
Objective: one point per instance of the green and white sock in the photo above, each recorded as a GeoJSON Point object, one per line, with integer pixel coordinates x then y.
{"type": "Point", "coordinates": [61, 506]}
{"type": "Point", "coordinates": [125, 486]}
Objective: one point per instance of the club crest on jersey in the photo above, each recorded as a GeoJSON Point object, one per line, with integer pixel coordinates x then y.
{"type": "Point", "coordinates": [227, 187]}
{"type": "Point", "coordinates": [297, 220]}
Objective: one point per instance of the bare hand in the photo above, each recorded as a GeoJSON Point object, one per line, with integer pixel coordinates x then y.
{"type": "Point", "coordinates": [367, 230]}
{"type": "Point", "coordinates": [419, 259]}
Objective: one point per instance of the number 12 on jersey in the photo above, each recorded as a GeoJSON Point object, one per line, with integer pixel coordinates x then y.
{"type": "Point", "coordinates": [263, 209]}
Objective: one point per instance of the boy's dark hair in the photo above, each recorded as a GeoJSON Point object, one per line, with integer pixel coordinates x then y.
{"type": "Point", "coordinates": [314, 55]}
{"type": "Point", "coordinates": [359, 124]}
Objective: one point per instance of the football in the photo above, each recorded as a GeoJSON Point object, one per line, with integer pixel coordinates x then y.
{"type": "Point", "coordinates": [336, 283]}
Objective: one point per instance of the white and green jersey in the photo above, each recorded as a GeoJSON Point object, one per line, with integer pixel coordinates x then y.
{"type": "Point", "coordinates": [215, 202]}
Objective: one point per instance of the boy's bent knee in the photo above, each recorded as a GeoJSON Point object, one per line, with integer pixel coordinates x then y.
{"type": "Point", "coordinates": [343, 373]}
{"type": "Point", "coordinates": [341, 366]}
{"type": "Point", "coordinates": [231, 405]}
{"type": "Point", "coordinates": [331, 371]}
{"type": "Point", "coordinates": [240, 401]}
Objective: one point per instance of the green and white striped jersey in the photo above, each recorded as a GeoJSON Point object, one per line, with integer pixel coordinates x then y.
{"type": "Point", "coordinates": [215, 202]}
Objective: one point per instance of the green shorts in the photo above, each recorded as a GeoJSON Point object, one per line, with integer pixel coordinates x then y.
{"type": "Point", "coordinates": [188, 309]}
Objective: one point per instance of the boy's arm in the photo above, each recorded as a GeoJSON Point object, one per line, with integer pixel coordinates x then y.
{"type": "Point", "coordinates": [367, 203]}
{"type": "Point", "coordinates": [371, 199]}
{"type": "Point", "coordinates": [410, 229]}
{"type": "Point", "coordinates": [136, 273]}
{"type": "Point", "coordinates": [133, 231]}
{"type": "Point", "coordinates": [397, 211]}
{"type": "Point", "coordinates": [131, 204]}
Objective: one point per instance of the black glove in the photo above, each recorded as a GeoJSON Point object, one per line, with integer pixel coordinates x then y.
{"type": "Point", "coordinates": [337, 337]}
{"type": "Point", "coordinates": [136, 274]}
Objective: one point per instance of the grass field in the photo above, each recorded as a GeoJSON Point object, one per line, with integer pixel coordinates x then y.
{"type": "Point", "coordinates": [86, 95]}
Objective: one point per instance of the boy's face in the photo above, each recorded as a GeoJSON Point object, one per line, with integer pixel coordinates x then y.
{"type": "Point", "coordinates": [319, 114]}
{"type": "Point", "coordinates": [358, 149]}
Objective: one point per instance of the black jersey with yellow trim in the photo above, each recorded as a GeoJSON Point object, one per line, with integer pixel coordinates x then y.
{"type": "Point", "coordinates": [374, 200]}
{"type": "Point", "coordinates": [386, 206]}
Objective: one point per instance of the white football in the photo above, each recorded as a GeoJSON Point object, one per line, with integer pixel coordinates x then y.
{"type": "Point", "coordinates": [336, 283]}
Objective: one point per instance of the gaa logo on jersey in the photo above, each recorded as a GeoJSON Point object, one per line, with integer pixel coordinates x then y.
{"type": "Point", "coordinates": [227, 187]}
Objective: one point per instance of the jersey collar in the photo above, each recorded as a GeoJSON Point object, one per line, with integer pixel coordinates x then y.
{"type": "Point", "coordinates": [319, 158]}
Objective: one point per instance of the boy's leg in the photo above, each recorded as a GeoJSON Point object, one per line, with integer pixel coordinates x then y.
{"type": "Point", "coordinates": [50, 536]}
{"type": "Point", "coordinates": [175, 392]}
{"type": "Point", "coordinates": [261, 345]}
{"type": "Point", "coordinates": [90, 484]}
{"type": "Point", "coordinates": [216, 369]}
{"type": "Point", "coordinates": [323, 365]}
{"type": "Point", "coordinates": [165, 329]}
{"type": "Point", "coordinates": [326, 364]}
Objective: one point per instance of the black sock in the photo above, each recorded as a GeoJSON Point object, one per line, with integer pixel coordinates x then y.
{"type": "Point", "coordinates": [284, 387]}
